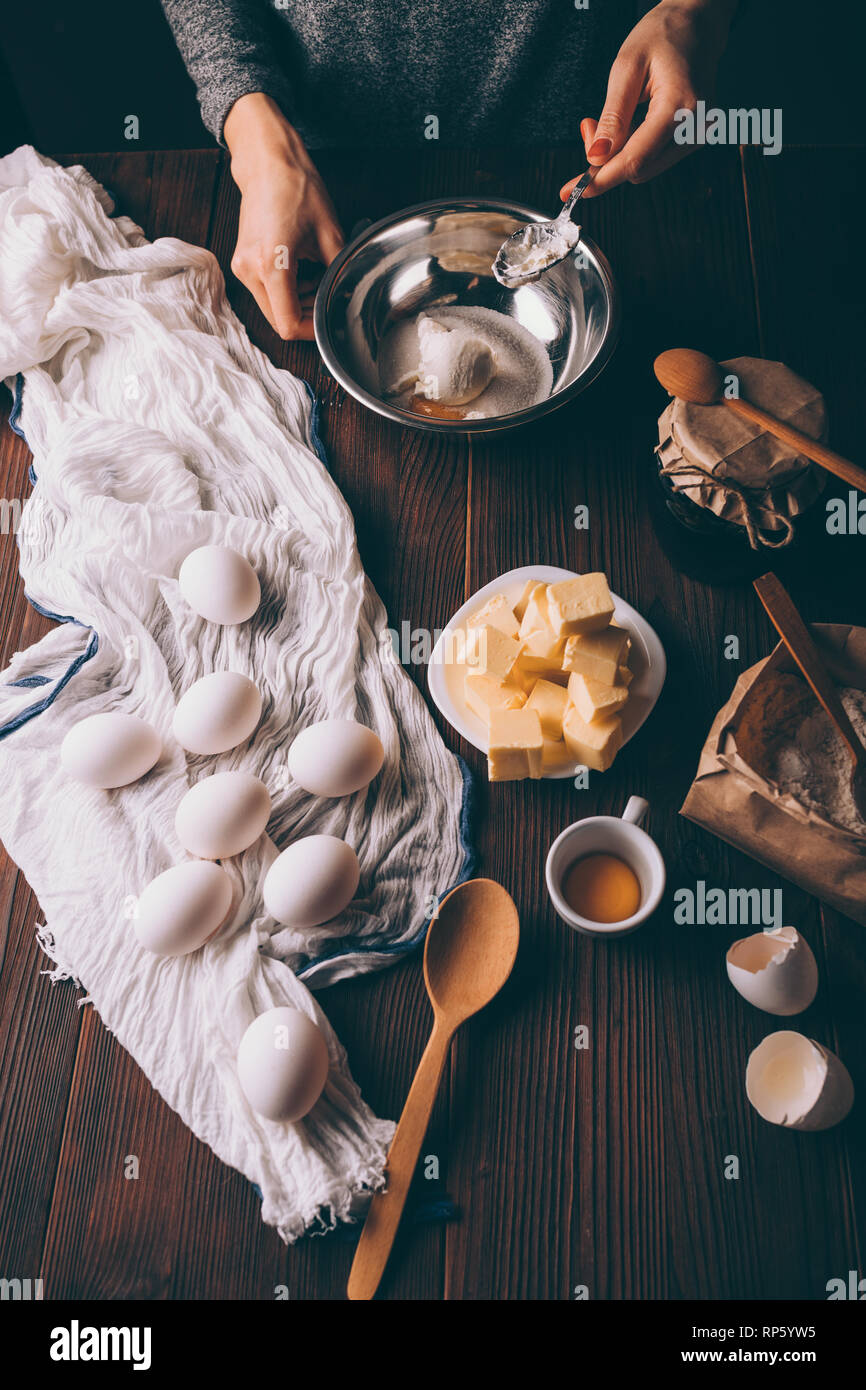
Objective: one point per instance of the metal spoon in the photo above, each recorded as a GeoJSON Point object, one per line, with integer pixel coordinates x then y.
{"type": "Point", "coordinates": [468, 955]}
{"type": "Point", "coordinates": [797, 638]}
{"type": "Point", "coordinates": [527, 253]}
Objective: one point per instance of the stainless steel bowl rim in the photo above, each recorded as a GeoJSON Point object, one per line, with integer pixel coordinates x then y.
{"type": "Point", "coordinates": [496, 423]}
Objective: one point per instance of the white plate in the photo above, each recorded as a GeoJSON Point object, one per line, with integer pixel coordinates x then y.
{"type": "Point", "coordinates": [647, 660]}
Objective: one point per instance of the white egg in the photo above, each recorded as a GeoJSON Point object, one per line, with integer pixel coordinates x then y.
{"type": "Point", "coordinates": [110, 750]}
{"type": "Point", "coordinates": [283, 1064]}
{"type": "Point", "coordinates": [223, 815]}
{"type": "Point", "coordinates": [335, 757]}
{"type": "Point", "coordinates": [795, 1082]}
{"type": "Point", "coordinates": [311, 881]}
{"type": "Point", "coordinates": [217, 713]}
{"type": "Point", "coordinates": [183, 908]}
{"type": "Point", "coordinates": [774, 970]}
{"type": "Point", "coordinates": [220, 585]}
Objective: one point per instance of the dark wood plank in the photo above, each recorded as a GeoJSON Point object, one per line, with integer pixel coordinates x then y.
{"type": "Point", "coordinates": [813, 316]}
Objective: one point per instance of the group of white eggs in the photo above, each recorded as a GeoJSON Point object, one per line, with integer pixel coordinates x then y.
{"type": "Point", "coordinates": [283, 1056]}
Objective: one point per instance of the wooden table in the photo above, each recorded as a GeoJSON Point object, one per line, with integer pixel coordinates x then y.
{"type": "Point", "coordinates": [602, 1167]}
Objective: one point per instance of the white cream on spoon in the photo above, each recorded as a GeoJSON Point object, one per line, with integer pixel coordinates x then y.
{"type": "Point", "coordinates": [533, 249]}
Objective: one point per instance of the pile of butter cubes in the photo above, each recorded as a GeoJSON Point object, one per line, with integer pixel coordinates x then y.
{"type": "Point", "coordinates": [550, 677]}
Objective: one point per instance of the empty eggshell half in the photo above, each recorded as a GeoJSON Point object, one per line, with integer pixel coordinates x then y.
{"type": "Point", "coordinates": [220, 584]}
{"type": "Point", "coordinates": [311, 881]}
{"type": "Point", "coordinates": [795, 1082]}
{"type": "Point", "coordinates": [217, 713]}
{"type": "Point", "coordinates": [223, 815]}
{"type": "Point", "coordinates": [335, 757]}
{"type": "Point", "coordinates": [110, 750]}
{"type": "Point", "coordinates": [283, 1064]}
{"type": "Point", "coordinates": [775, 970]}
{"type": "Point", "coordinates": [183, 908]}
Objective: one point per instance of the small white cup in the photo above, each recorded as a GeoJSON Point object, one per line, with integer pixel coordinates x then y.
{"type": "Point", "coordinates": [623, 837]}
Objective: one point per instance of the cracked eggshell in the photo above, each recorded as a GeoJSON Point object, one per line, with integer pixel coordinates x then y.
{"type": "Point", "coordinates": [220, 585]}
{"type": "Point", "coordinates": [223, 815]}
{"type": "Point", "coordinates": [776, 971]}
{"type": "Point", "coordinates": [283, 1064]}
{"type": "Point", "coordinates": [795, 1082]}
{"type": "Point", "coordinates": [217, 713]}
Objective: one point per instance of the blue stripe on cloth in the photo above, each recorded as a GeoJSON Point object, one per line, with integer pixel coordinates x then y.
{"type": "Point", "coordinates": [15, 416]}
{"type": "Point", "coordinates": [32, 710]}
{"type": "Point", "coordinates": [315, 413]}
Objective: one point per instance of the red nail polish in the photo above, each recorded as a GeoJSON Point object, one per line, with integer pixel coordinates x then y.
{"type": "Point", "coordinates": [599, 149]}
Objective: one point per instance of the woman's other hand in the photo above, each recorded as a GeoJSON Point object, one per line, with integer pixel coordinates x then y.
{"type": "Point", "coordinates": [668, 60]}
{"type": "Point", "coordinates": [286, 215]}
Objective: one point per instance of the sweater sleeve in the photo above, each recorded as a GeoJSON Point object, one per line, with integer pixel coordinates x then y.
{"type": "Point", "coordinates": [228, 51]}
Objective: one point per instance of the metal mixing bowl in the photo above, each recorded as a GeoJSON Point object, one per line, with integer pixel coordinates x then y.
{"type": "Point", "coordinates": [440, 253]}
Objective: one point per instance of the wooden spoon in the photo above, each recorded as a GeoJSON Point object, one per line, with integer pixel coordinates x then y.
{"type": "Point", "coordinates": [697, 378]}
{"type": "Point", "coordinates": [470, 949]}
{"type": "Point", "coordinates": [797, 638]}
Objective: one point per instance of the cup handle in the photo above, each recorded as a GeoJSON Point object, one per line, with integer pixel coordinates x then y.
{"type": "Point", "coordinates": [635, 810]}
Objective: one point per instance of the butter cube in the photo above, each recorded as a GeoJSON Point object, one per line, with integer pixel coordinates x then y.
{"type": "Point", "coordinates": [485, 693]}
{"type": "Point", "coordinates": [535, 615]}
{"type": "Point", "coordinates": [542, 654]}
{"type": "Point", "coordinates": [550, 701]}
{"type": "Point", "coordinates": [520, 605]}
{"type": "Point", "coordinates": [596, 654]}
{"type": "Point", "coordinates": [592, 698]}
{"type": "Point", "coordinates": [496, 612]}
{"type": "Point", "coordinates": [489, 649]}
{"type": "Point", "coordinates": [554, 674]}
{"type": "Point", "coordinates": [556, 756]}
{"type": "Point", "coordinates": [624, 676]}
{"type": "Point", "coordinates": [582, 604]}
{"type": "Point", "coordinates": [596, 744]}
{"type": "Point", "coordinates": [542, 649]}
{"type": "Point", "coordinates": [516, 745]}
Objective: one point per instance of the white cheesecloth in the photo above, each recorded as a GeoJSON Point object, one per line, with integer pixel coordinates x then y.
{"type": "Point", "coordinates": [157, 427]}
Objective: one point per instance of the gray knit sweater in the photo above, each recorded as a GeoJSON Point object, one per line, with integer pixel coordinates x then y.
{"type": "Point", "coordinates": [351, 74]}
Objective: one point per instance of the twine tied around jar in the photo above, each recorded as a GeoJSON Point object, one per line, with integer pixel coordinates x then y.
{"type": "Point", "coordinates": [735, 471]}
{"type": "Point", "coordinates": [756, 533]}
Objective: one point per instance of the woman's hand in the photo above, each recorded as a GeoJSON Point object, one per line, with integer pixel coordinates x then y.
{"type": "Point", "coordinates": [669, 60]}
{"type": "Point", "coordinates": [286, 214]}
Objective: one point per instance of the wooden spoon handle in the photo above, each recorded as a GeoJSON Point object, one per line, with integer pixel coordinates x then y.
{"type": "Point", "coordinates": [833, 462]}
{"type": "Point", "coordinates": [797, 638]}
{"type": "Point", "coordinates": [386, 1208]}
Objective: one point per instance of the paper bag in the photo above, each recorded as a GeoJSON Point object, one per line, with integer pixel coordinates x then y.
{"type": "Point", "coordinates": [733, 797]}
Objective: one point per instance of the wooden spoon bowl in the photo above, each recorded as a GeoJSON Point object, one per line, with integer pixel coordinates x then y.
{"type": "Point", "coordinates": [697, 378]}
